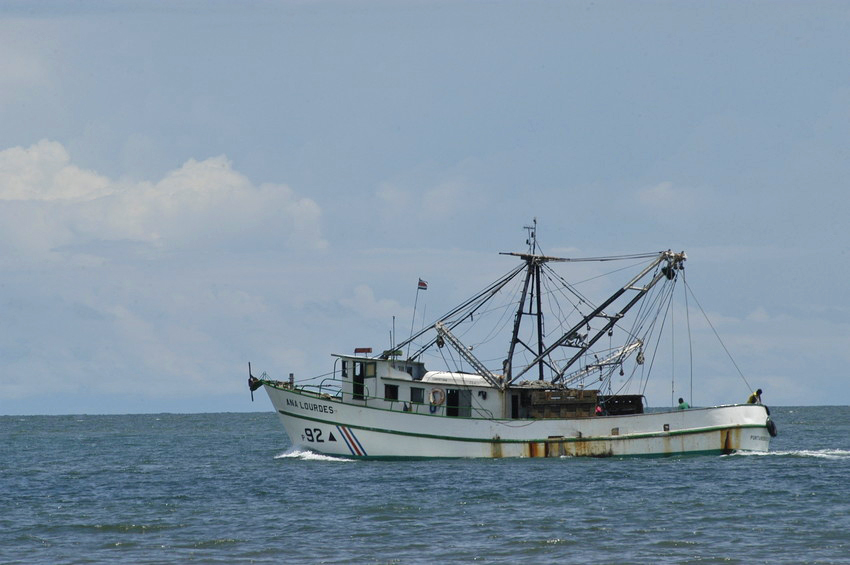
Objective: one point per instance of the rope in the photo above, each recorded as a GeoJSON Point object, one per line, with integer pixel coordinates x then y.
{"type": "Point", "coordinates": [718, 336]}
{"type": "Point", "coordinates": [690, 340]}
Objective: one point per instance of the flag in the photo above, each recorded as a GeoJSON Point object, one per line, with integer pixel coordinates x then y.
{"type": "Point", "coordinates": [423, 285]}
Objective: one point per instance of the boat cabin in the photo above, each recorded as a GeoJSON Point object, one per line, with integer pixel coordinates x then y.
{"type": "Point", "coordinates": [405, 385]}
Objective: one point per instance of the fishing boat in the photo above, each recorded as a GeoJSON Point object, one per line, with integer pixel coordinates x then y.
{"type": "Point", "coordinates": [552, 383]}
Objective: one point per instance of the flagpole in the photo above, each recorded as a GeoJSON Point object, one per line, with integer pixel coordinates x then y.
{"type": "Point", "coordinates": [413, 318]}
{"type": "Point", "coordinates": [420, 285]}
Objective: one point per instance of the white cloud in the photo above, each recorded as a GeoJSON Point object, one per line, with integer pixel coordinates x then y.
{"type": "Point", "coordinates": [759, 315]}
{"type": "Point", "coordinates": [428, 204]}
{"type": "Point", "coordinates": [43, 172]}
{"type": "Point", "coordinates": [447, 198]}
{"type": "Point", "coordinates": [47, 202]}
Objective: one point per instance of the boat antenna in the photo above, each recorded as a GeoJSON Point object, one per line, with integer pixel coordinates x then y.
{"type": "Point", "coordinates": [532, 236]}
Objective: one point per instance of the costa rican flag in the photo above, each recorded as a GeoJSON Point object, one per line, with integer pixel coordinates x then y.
{"type": "Point", "coordinates": [423, 285]}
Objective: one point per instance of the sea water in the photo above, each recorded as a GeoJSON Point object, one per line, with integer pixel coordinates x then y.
{"type": "Point", "coordinates": [227, 488]}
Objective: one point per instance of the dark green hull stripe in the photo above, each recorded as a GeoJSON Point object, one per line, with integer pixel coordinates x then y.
{"type": "Point", "coordinates": [630, 456]}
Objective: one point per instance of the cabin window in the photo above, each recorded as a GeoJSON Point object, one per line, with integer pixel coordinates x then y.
{"type": "Point", "coordinates": [390, 392]}
{"type": "Point", "coordinates": [458, 403]}
{"type": "Point", "coordinates": [365, 370]}
{"type": "Point", "coordinates": [417, 394]}
{"type": "Point", "coordinates": [345, 369]}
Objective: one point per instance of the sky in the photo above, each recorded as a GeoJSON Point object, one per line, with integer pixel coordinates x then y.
{"type": "Point", "coordinates": [189, 186]}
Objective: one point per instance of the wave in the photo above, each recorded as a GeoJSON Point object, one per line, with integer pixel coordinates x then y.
{"type": "Point", "coordinates": [306, 455]}
{"type": "Point", "coordinates": [819, 453]}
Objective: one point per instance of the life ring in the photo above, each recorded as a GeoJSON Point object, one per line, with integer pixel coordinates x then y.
{"type": "Point", "coordinates": [437, 396]}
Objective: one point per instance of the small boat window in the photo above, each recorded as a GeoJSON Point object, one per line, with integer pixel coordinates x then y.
{"type": "Point", "coordinates": [364, 370]}
{"type": "Point", "coordinates": [390, 392]}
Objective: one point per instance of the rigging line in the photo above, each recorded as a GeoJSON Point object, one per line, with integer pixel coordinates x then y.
{"type": "Point", "coordinates": [584, 347]}
{"type": "Point", "coordinates": [649, 303]}
{"type": "Point", "coordinates": [558, 287]}
{"type": "Point", "coordinates": [316, 377]}
{"type": "Point", "coordinates": [647, 312]}
{"type": "Point", "coordinates": [650, 309]}
{"type": "Point", "coordinates": [609, 273]}
{"type": "Point", "coordinates": [628, 380]}
{"type": "Point", "coordinates": [659, 303]}
{"type": "Point", "coordinates": [690, 339]}
{"type": "Point", "coordinates": [446, 363]}
{"type": "Point", "coordinates": [555, 308]}
{"type": "Point", "coordinates": [622, 386]}
{"type": "Point", "coordinates": [641, 316]}
{"type": "Point", "coordinates": [506, 308]}
{"type": "Point", "coordinates": [717, 335]}
{"type": "Point", "coordinates": [571, 287]}
{"type": "Point", "coordinates": [478, 300]}
{"type": "Point", "coordinates": [657, 342]}
{"type": "Point", "coordinates": [672, 309]}
{"type": "Point", "coordinates": [608, 258]}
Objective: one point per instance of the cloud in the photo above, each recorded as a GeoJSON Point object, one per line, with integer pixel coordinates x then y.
{"type": "Point", "coordinates": [759, 315]}
{"type": "Point", "coordinates": [43, 172]}
{"type": "Point", "coordinates": [447, 198]}
{"type": "Point", "coordinates": [48, 203]}
{"type": "Point", "coordinates": [427, 202]}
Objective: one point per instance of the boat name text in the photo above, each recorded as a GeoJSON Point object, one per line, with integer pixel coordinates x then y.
{"type": "Point", "coordinates": [310, 406]}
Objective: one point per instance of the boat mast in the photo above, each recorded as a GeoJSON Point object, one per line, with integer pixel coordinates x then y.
{"type": "Point", "coordinates": [535, 267]}
{"type": "Point", "coordinates": [532, 281]}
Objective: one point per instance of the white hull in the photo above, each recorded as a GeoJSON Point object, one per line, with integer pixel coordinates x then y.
{"type": "Point", "coordinates": [329, 426]}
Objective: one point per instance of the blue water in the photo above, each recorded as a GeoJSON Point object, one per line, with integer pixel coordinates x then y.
{"type": "Point", "coordinates": [227, 488]}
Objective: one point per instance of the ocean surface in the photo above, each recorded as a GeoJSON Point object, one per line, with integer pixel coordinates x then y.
{"type": "Point", "coordinates": [227, 488]}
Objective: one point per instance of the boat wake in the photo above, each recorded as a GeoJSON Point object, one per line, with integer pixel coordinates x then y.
{"type": "Point", "coordinates": [306, 455]}
{"type": "Point", "coordinates": [817, 453]}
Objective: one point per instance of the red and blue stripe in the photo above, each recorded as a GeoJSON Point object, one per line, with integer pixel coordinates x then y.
{"type": "Point", "coordinates": [351, 441]}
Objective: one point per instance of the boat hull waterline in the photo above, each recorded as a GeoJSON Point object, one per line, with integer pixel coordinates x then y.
{"type": "Point", "coordinates": [326, 425]}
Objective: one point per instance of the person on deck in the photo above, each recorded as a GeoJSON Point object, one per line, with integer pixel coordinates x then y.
{"type": "Point", "coordinates": [683, 405]}
{"type": "Point", "coordinates": [755, 398]}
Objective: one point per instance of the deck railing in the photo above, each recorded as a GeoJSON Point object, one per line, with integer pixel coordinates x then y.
{"type": "Point", "coordinates": [331, 387]}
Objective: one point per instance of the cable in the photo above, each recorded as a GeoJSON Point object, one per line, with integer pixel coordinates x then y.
{"type": "Point", "coordinates": [718, 337]}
